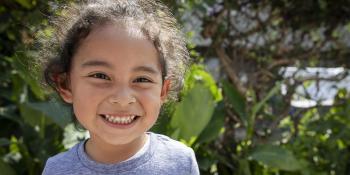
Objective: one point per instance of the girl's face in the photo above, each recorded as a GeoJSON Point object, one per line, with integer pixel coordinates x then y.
{"type": "Point", "coordinates": [116, 85]}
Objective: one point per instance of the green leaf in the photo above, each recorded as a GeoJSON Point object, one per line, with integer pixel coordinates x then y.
{"type": "Point", "coordinates": [25, 3]}
{"type": "Point", "coordinates": [162, 125]}
{"type": "Point", "coordinates": [236, 100]}
{"type": "Point", "coordinates": [197, 74]}
{"type": "Point", "coordinates": [56, 111]}
{"type": "Point", "coordinates": [4, 142]}
{"type": "Point", "coordinates": [347, 26]}
{"type": "Point", "coordinates": [276, 157]}
{"type": "Point", "coordinates": [194, 112]}
{"type": "Point", "coordinates": [257, 107]}
{"type": "Point", "coordinates": [20, 63]}
{"type": "Point", "coordinates": [9, 112]}
{"type": "Point", "coordinates": [6, 169]}
{"type": "Point", "coordinates": [244, 167]}
{"type": "Point", "coordinates": [19, 89]}
{"type": "Point", "coordinates": [205, 163]}
{"type": "Point", "coordinates": [31, 116]}
{"type": "Point", "coordinates": [215, 125]}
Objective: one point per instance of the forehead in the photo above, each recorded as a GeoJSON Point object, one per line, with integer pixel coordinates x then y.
{"type": "Point", "coordinates": [121, 30]}
{"type": "Point", "coordinates": [118, 45]}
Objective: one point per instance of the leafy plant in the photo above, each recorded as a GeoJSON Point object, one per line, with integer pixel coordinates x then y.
{"type": "Point", "coordinates": [240, 122]}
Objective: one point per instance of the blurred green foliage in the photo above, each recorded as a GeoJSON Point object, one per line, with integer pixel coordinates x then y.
{"type": "Point", "coordinates": [235, 126]}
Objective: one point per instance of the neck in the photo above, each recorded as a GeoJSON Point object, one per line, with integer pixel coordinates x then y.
{"type": "Point", "coordinates": [101, 151]}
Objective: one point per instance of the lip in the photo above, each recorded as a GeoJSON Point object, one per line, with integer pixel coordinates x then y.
{"type": "Point", "coordinates": [119, 125]}
{"type": "Point", "coordinates": [119, 114]}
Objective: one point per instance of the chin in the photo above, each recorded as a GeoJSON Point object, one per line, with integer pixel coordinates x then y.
{"type": "Point", "coordinates": [121, 140]}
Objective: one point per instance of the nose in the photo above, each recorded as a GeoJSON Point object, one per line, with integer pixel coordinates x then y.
{"type": "Point", "coordinates": [122, 97]}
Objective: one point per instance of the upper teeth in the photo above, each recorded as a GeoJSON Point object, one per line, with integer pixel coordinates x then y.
{"type": "Point", "coordinates": [120, 119]}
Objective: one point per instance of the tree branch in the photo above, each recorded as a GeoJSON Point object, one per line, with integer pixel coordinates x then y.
{"type": "Point", "coordinates": [226, 62]}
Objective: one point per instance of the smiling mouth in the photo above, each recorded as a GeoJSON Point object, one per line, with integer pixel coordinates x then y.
{"type": "Point", "coordinates": [119, 120]}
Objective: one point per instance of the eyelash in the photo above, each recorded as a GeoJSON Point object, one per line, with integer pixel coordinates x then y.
{"type": "Point", "coordinates": [142, 80]}
{"type": "Point", "coordinates": [105, 77]}
{"type": "Point", "coordinates": [100, 76]}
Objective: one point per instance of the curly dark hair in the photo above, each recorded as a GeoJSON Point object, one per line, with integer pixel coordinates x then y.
{"type": "Point", "coordinates": [74, 22]}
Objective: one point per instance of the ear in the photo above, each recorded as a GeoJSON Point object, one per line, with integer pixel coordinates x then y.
{"type": "Point", "coordinates": [63, 87]}
{"type": "Point", "coordinates": [165, 90]}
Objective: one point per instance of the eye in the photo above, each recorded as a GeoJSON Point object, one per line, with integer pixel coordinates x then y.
{"type": "Point", "coordinates": [100, 76]}
{"type": "Point", "coordinates": [142, 80]}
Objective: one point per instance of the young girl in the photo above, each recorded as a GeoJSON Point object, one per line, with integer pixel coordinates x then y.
{"type": "Point", "coordinates": [116, 62]}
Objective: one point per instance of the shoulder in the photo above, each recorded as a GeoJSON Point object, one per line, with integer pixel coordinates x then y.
{"type": "Point", "coordinates": [168, 150]}
{"type": "Point", "coordinates": [169, 142]}
{"type": "Point", "coordinates": [62, 162]}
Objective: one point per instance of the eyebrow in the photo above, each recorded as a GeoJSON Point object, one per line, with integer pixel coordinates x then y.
{"type": "Point", "coordinates": [148, 69]}
{"type": "Point", "coordinates": [94, 63]}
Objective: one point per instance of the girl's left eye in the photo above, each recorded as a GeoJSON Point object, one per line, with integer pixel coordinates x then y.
{"type": "Point", "coordinates": [142, 80]}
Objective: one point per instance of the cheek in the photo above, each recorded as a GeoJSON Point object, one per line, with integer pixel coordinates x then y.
{"type": "Point", "coordinates": [86, 98]}
{"type": "Point", "coordinates": [151, 100]}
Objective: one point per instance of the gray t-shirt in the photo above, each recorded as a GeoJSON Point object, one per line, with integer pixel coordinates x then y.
{"type": "Point", "coordinates": [164, 156]}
